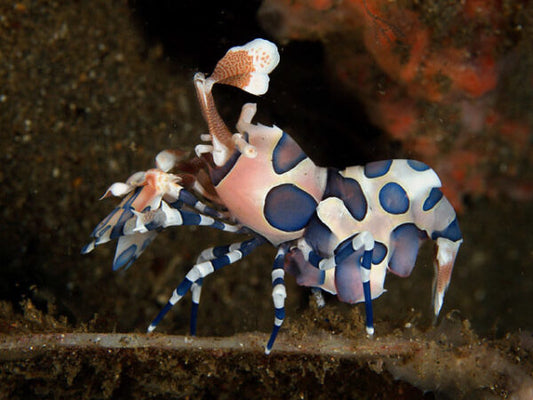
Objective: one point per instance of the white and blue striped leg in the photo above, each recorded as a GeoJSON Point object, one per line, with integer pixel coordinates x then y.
{"type": "Point", "coordinates": [363, 241]}
{"type": "Point", "coordinates": [189, 199]}
{"type": "Point", "coordinates": [196, 288]}
{"type": "Point", "coordinates": [169, 216]}
{"type": "Point", "coordinates": [196, 291]}
{"type": "Point", "coordinates": [136, 230]}
{"type": "Point", "coordinates": [279, 293]}
{"type": "Point", "coordinates": [200, 271]}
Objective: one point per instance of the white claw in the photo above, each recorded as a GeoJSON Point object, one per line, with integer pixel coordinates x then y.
{"type": "Point", "coordinates": [172, 217]}
{"type": "Point", "coordinates": [165, 160]}
{"type": "Point", "coordinates": [137, 179]}
{"type": "Point", "coordinates": [261, 58]}
{"type": "Point", "coordinates": [139, 225]}
{"type": "Point", "coordinates": [117, 189]}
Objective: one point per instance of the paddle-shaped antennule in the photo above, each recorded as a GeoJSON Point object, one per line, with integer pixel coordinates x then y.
{"type": "Point", "coordinates": [222, 146]}
{"type": "Point", "coordinates": [247, 67]}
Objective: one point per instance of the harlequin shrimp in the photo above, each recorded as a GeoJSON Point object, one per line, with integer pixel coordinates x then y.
{"type": "Point", "coordinates": [339, 231]}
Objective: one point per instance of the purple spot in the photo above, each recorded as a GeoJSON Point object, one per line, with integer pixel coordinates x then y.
{"type": "Point", "coordinates": [118, 228]}
{"type": "Point", "coordinates": [102, 227]}
{"type": "Point", "coordinates": [405, 241]}
{"type": "Point", "coordinates": [125, 258]}
{"type": "Point", "coordinates": [379, 252]}
{"type": "Point", "coordinates": [103, 231]}
{"type": "Point", "coordinates": [318, 235]}
{"type": "Point", "coordinates": [377, 168]}
{"type": "Point", "coordinates": [349, 191]}
{"type": "Point", "coordinates": [219, 173]}
{"type": "Point", "coordinates": [452, 232]}
{"type": "Point", "coordinates": [434, 197]}
{"type": "Point", "coordinates": [288, 208]}
{"type": "Point", "coordinates": [287, 154]}
{"type": "Point", "coordinates": [393, 198]}
{"type": "Point", "coordinates": [417, 165]}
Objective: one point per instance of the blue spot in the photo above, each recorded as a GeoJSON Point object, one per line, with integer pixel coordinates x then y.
{"type": "Point", "coordinates": [125, 258]}
{"type": "Point", "coordinates": [318, 235]}
{"type": "Point", "coordinates": [379, 253]}
{"type": "Point", "coordinates": [101, 228]}
{"type": "Point", "coordinates": [405, 241]}
{"type": "Point", "coordinates": [349, 191]}
{"type": "Point", "coordinates": [118, 228]}
{"type": "Point", "coordinates": [417, 165]}
{"type": "Point", "coordinates": [434, 197]}
{"type": "Point", "coordinates": [393, 198]}
{"type": "Point", "coordinates": [287, 154]}
{"type": "Point", "coordinates": [219, 173]}
{"type": "Point", "coordinates": [102, 231]}
{"type": "Point", "coordinates": [377, 168]}
{"type": "Point", "coordinates": [452, 232]}
{"type": "Point", "coordinates": [288, 208]}
{"type": "Point", "coordinates": [354, 199]}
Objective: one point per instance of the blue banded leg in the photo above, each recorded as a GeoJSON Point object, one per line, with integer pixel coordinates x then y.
{"type": "Point", "coordinates": [139, 229]}
{"type": "Point", "coordinates": [196, 288]}
{"type": "Point", "coordinates": [196, 291]}
{"type": "Point", "coordinates": [279, 293]}
{"type": "Point", "coordinates": [187, 198]}
{"type": "Point", "coordinates": [112, 226]}
{"type": "Point", "coordinates": [168, 216]}
{"type": "Point", "coordinates": [124, 220]}
{"type": "Point", "coordinates": [363, 240]}
{"type": "Point", "coordinates": [367, 242]}
{"type": "Point", "coordinates": [200, 271]}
